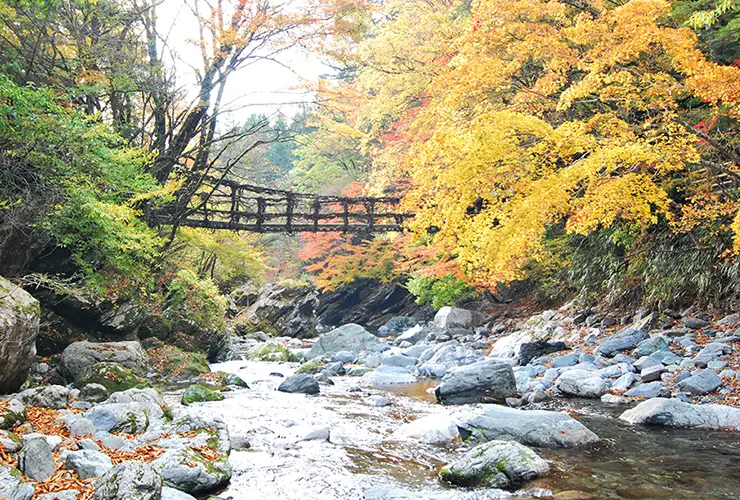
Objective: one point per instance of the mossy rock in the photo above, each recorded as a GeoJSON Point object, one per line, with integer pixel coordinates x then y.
{"type": "Point", "coordinates": [272, 351]}
{"type": "Point", "coordinates": [112, 376]}
{"type": "Point", "coordinates": [231, 379]}
{"type": "Point", "coordinates": [311, 367]}
{"type": "Point", "coordinates": [197, 393]}
{"type": "Point", "coordinates": [172, 363]}
{"type": "Point", "coordinates": [12, 414]}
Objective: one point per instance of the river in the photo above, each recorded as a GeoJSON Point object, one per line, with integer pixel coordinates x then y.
{"type": "Point", "coordinates": [359, 461]}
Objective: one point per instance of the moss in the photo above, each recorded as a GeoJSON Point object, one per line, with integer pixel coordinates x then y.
{"type": "Point", "coordinates": [231, 379]}
{"type": "Point", "coordinates": [112, 376]}
{"type": "Point", "coordinates": [311, 367]}
{"type": "Point", "coordinates": [171, 362]}
{"type": "Point", "coordinates": [272, 351]}
{"type": "Point", "coordinates": [197, 393]}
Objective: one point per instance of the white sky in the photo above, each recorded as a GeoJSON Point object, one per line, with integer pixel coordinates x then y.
{"type": "Point", "coordinates": [265, 87]}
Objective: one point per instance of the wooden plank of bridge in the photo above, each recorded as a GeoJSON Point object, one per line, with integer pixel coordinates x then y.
{"type": "Point", "coordinates": [316, 213]}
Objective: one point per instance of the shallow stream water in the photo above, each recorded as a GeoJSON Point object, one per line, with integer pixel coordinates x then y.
{"type": "Point", "coordinates": [361, 462]}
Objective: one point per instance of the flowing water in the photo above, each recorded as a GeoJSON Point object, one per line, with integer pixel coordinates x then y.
{"type": "Point", "coordinates": [360, 461]}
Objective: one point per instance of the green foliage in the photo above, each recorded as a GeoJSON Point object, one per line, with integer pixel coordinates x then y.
{"type": "Point", "coordinates": [717, 23]}
{"type": "Point", "coordinates": [439, 292]}
{"type": "Point", "coordinates": [196, 301]}
{"type": "Point", "coordinates": [112, 376]}
{"type": "Point", "coordinates": [311, 367]}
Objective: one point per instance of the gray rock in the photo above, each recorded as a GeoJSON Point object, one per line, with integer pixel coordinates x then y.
{"type": "Point", "coordinates": [651, 345]}
{"type": "Point", "coordinates": [109, 440]}
{"type": "Point", "coordinates": [302, 383]}
{"type": "Point", "coordinates": [649, 390]}
{"type": "Point", "coordinates": [19, 326]}
{"type": "Point", "coordinates": [388, 375]}
{"type": "Point", "coordinates": [513, 463]}
{"type": "Point", "coordinates": [185, 469]}
{"type": "Point", "coordinates": [148, 399]}
{"type": "Point", "coordinates": [702, 382]}
{"type": "Point", "coordinates": [12, 485]}
{"type": "Point", "coordinates": [695, 323]}
{"type": "Point", "coordinates": [378, 401]}
{"type": "Point", "coordinates": [401, 323]}
{"type": "Point", "coordinates": [454, 317]}
{"type": "Point", "coordinates": [413, 335]}
{"type": "Point", "coordinates": [711, 352]}
{"type": "Point", "coordinates": [10, 442]}
{"type": "Point", "coordinates": [348, 338]}
{"type": "Point", "coordinates": [94, 393]}
{"type": "Point", "coordinates": [317, 435]}
{"type": "Point", "coordinates": [344, 357]}
{"type": "Point", "coordinates": [14, 414]}
{"type": "Point", "coordinates": [539, 428]}
{"type": "Point", "coordinates": [82, 427]}
{"type": "Point", "coordinates": [624, 340]}
{"type": "Point", "coordinates": [581, 383]}
{"type": "Point", "coordinates": [173, 494]}
{"type": "Point", "coordinates": [54, 442]}
{"type": "Point", "coordinates": [530, 350]}
{"type": "Point", "coordinates": [666, 357]}
{"type": "Point", "coordinates": [567, 360]}
{"type": "Point", "coordinates": [132, 480]}
{"type": "Point", "coordinates": [675, 413]}
{"type": "Point", "coordinates": [438, 429]}
{"type": "Point", "coordinates": [130, 418]}
{"type": "Point", "coordinates": [51, 396]}
{"type": "Point", "coordinates": [485, 381]}
{"type": "Point", "coordinates": [652, 373]}
{"type": "Point", "coordinates": [398, 360]}
{"type": "Point", "coordinates": [611, 399]}
{"type": "Point", "coordinates": [624, 382]}
{"type": "Point", "coordinates": [88, 464]}
{"type": "Point", "coordinates": [77, 357]}
{"type": "Point", "coordinates": [35, 460]}
{"type": "Point", "coordinates": [87, 444]}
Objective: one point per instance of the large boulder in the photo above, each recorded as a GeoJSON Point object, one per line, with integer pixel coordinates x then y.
{"type": "Point", "coordinates": [530, 350]}
{"type": "Point", "coordinates": [285, 310]}
{"type": "Point", "coordinates": [35, 460]}
{"type": "Point", "coordinates": [454, 317]}
{"type": "Point", "coordinates": [350, 338]}
{"type": "Point", "coordinates": [702, 382]}
{"type": "Point", "coordinates": [129, 418]}
{"type": "Point", "coordinates": [675, 413]}
{"type": "Point", "coordinates": [51, 396]}
{"type": "Point", "coordinates": [88, 463]}
{"type": "Point", "coordinates": [540, 428]}
{"type": "Point", "coordinates": [13, 486]}
{"type": "Point", "coordinates": [581, 383]}
{"type": "Point", "coordinates": [112, 376]}
{"type": "Point", "coordinates": [197, 393]}
{"type": "Point", "coordinates": [190, 470]}
{"type": "Point", "coordinates": [624, 340]}
{"type": "Point", "coordinates": [129, 481]}
{"type": "Point", "coordinates": [487, 381]}
{"type": "Point", "coordinates": [19, 326]}
{"type": "Point", "coordinates": [301, 383]}
{"type": "Point", "coordinates": [79, 356]}
{"type": "Point", "coordinates": [496, 464]}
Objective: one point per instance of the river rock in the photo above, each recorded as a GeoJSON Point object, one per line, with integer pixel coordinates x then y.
{"type": "Point", "coordinates": [450, 355]}
{"type": "Point", "coordinates": [711, 352]}
{"type": "Point", "coordinates": [302, 383]}
{"type": "Point", "coordinates": [81, 427]}
{"type": "Point", "coordinates": [454, 317]}
{"type": "Point", "coordinates": [651, 345]}
{"type": "Point", "coordinates": [19, 326]}
{"type": "Point", "coordinates": [509, 347]}
{"type": "Point", "coordinates": [566, 361]}
{"type": "Point", "coordinates": [652, 373]}
{"type": "Point", "coordinates": [624, 382]}
{"type": "Point", "coordinates": [398, 360]}
{"type": "Point", "coordinates": [530, 350]}
{"type": "Point", "coordinates": [413, 335]}
{"type": "Point", "coordinates": [186, 469]}
{"type": "Point", "coordinates": [496, 464]}
{"type": "Point", "coordinates": [649, 390]}
{"type": "Point", "coordinates": [54, 442]}
{"type": "Point", "coordinates": [348, 338]}
{"type": "Point", "coordinates": [388, 375]}
{"type": "Point", "coordinates": [540, 428]}
{"type": "Point", "coordinates": [702, 382]}
{"type": "Point", "coordinates": [197, 393]}
{"type": "Point", "coordinates": [675, 413]}
{"type": "Point", "coordinates": [60, 495]}
{"type": "Point", "coordinates": [581, 383]}
{"type": "Point", "coordinates": [401, 323]}
{"type": "Point", "coordinates": [130, 418]}
{"type": "Point", "coordinates": [131, 480]}
{"type": "Point", "coordinates": [439, 429]}
{"type": "Point", "coordinates": [695, 323]}
{"type": "Point", "coordinates": [173, 494]}
{"type": "Point", "coordinates": [10, 442]}
{"type": "Point", "coordinates": [485, 381]}
{"type": "Point", "coordinates": [52, 396]}
{"type": "Point", "coordinates": [11, 415]}
{"type": "Point", "coordinates": [77, 357]}
{"type": "Point", "coordinates": [12, 485]}
{"type": "Point", "coordinates": [612, 399]}
{"type": "Point", "coordinates": [94, 393]}
{"type": "Point", "coordinates": [35, 460]}
{"type": "Point", "coordinates": [624, 340]}
{"type": "Point", "coordinates": [88, 464]}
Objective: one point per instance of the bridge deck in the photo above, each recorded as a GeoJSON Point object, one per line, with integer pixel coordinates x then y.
{"type": "Point", "coordinates": [242, 207]}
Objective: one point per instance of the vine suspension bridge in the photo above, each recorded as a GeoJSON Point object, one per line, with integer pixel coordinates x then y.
{"type": "Point", "coordinates": [244, 207]}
